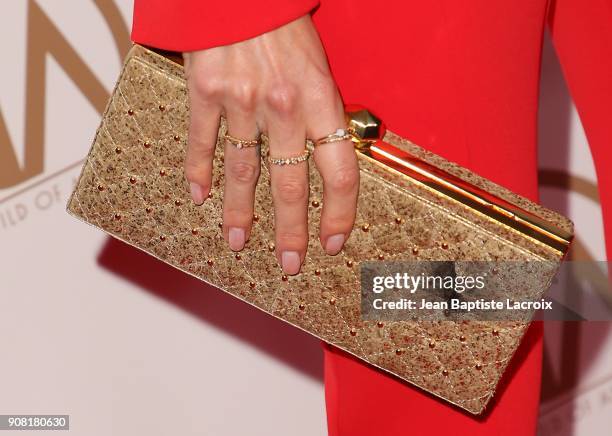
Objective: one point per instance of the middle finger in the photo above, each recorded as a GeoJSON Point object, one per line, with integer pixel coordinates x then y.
{"type": "Point", "coordinates": [289, 182]}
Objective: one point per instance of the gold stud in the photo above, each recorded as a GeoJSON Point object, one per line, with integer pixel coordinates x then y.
{"type": "Point", "coordinates": [210, 194]}
{"type": "Point", "coordinates": [177, 202]}
{"type": "Point", "coordinates": [162, 107]}
{"type": "Point", "coordinates": [302, 306]}
{"type": "Point", "coordinates": [237, 256]}
{"type": "Point", "coordinates": [130, 112]}
{"type": "Point", "coordinates": [162, 238]}
{"type": "Point", "coordinates": [177, 138]}
{"type": "Point", "coordinates": [284, 278]}
{"type": "Point", "coordinates": [220, 225]}
{"type": "Point", "coordinates": [380, 324]}
{"type": "Point", "coordinates": [132, 180]}
{"type": "Point", "coordinates": [349, 263]}
{"type": "Point", "coordinates": [415, 251]}
{"type": "Point", "coordinates": [353, 332]}
{"type": "Point", "coordinates": [445, 373]}
{"type": "Point", "coordinates": [100, 188]}
{"type": "Point", "coordinates": [194, 231]}
{"type": "Point", "coordinates": [398, 352]}
{"type": "Point", "coordinates": [255, 217]}
{"type": "Point", "coordinates": [381, 257]}
{"type": "Point", "coordinates": [479, 366]}
{"type": "Point", "coordinates": [398, 220]}
{"type": "Point", "coordinates": [117, 216]}
{"type": "Point", "coordinates": [444, 245]}
{"type": "Point", "coordinates": [365, 227]}
{"type": "Point", "coordinates": [495, 332]}
{"type": "Point", "coordinates": [252, 285]}
{"type": "Point", "coordinates": [147, 144]}
{"type": "Point", "coordinates": [118, 150]}
{"type": "Point", "coordinates": [210, 262]}
{"type": "Point", "coordinates": [271, 246]}
{"type": "Point", "coordinates": [317, 272]}
{"type": "Point", "coordinates": [432, 344]}
{"type": "Point", "coordinates": [332, 301]}
{"type": "Point", "coordinates": [315, 203]}
{"type": "Point", "coordinates": [162, 173]}
{"type": "Point", "coordinates": [462, 338]}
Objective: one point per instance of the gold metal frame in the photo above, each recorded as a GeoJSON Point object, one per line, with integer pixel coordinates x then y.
{"type": "Point", "coordinates": [368, 132]}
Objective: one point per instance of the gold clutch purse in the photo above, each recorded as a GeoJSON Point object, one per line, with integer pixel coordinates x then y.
{"type": "Point", "coordinates": [413, 205]}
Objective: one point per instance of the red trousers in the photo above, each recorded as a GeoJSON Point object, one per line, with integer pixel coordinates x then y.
{"type": "Point", "coordinates": [461, 79]}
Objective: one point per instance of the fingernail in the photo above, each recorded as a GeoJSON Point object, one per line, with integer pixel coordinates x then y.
{"type": "Point", "coordinates": [334, 244]}
{"type": "Point", "coordinates": [291, 262]}
{"type": "Point", "coordinates": [236, 238]}
{"type": "Point", "coordinates": [197, 193]}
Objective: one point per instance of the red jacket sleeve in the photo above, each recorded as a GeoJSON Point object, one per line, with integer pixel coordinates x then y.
{"type": "Point", "coordinates": [187, 25]}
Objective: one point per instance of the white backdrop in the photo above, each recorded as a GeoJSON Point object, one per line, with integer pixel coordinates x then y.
{"type": "Point", "coordinates": [126, 345]}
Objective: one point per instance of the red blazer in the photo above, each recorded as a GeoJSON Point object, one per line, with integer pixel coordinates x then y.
{"type": "Point", "coordinates": [460, 78]}
{"type": "Point", "coordinates": [186, 25]}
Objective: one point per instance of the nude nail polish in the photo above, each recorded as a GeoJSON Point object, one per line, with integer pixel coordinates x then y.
{"type": "Point", "coordinates": [291, 262]}
{"type": "Point", "coordinates": [197, 193]}
{"type": "Point", "coordinates": [236, 238]}
{"type": "Point", "coordinates": [334, 244]}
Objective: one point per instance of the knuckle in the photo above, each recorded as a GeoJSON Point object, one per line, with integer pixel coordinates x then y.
{"type": "Point", "coordinates": [292, 238]}
{"type": "Point", "coordinates": [207, 87]}
{"type": "Point", "coordinates": [243, 172]}
{"type": "Point", "coordinates": [200, 149]}
{"type": "Point", "coordinates": [233, 215]}
{"type": "Point", "coordinates": [244, 96]}
{"type": "Point", "coordinates": [342, 222]}
{"type": "Point", "coordinates": [282, 98]}
{"type": "Point", "coordinates": [344, 180]}
{"type": "Point", "coordinates": [195, 171]}
{"type": "Point", "coordinates": [291, 191]}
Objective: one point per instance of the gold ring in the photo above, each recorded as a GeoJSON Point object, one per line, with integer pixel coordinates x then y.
{"type": "Point", "coordinates": [338, 135]}
{"type": "Point", "coordinates": [241, 143]}
{"type": "Point", "coordinates": [289, 160]}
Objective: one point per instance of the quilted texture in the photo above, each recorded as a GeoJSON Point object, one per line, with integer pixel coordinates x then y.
{"type": "Point", "coordinates": [133, 187]}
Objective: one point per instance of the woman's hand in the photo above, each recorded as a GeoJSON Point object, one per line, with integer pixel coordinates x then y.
{"type": "Point", "coordinates": [278, 83]}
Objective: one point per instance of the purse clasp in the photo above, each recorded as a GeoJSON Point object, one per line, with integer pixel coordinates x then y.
{"type": "Point", "coordinates": [365, 127]}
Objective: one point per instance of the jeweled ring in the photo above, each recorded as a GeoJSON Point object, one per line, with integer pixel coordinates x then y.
{"type": "Point", "coordinates": [241, 143]}
{"type": "Point", "coordinates": [289, 160]}
{"type": "Point", "coordinates": [338, 135]}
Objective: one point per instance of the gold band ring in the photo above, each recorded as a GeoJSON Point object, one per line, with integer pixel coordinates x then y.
{"type": "Point", "coordinates": [241, 143]}
{"type": "Point", "coordinates": [289, 160]}
{"type": "Point", "coordinates": [338, 135]}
